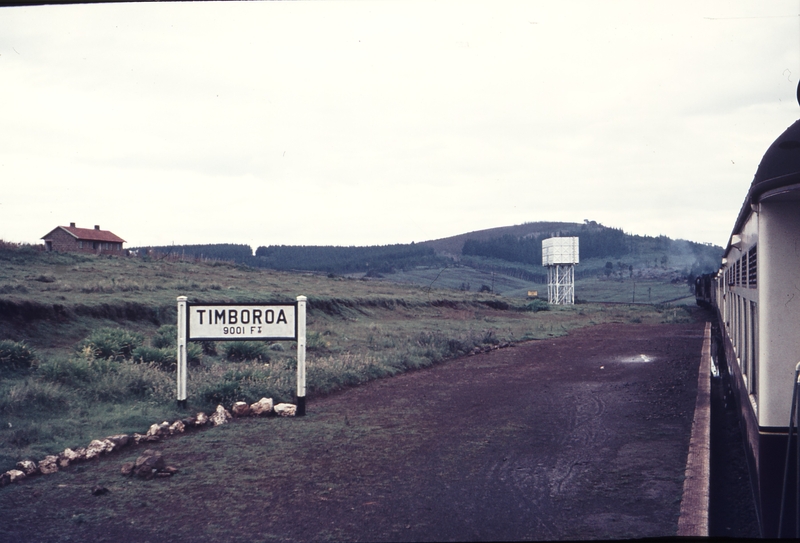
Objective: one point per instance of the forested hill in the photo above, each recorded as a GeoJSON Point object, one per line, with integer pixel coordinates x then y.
{"type": "Point", "coordinates": [229, 252]}
{"type": "Point", "coordinates": [596, 241]}
{"type": "Point", "coordinates": [453, 245]}
{"type": "Point", "coordinates": [371, 260]}
{"type": "Point", "coordinates": [600, 246]}
{"type": "Point", "coordinates": [521, 244]}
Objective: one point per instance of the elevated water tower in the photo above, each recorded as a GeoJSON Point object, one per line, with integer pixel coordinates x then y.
{"type": "Point", "coordinates": [560, 255]}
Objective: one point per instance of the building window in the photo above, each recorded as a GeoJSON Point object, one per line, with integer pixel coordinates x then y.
{"type": "Point", "coordinates": [752, 267]}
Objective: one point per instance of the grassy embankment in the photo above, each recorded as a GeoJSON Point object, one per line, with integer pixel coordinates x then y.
{"type": "Point", "coordinates": [74, 391]}
{"type": "Point", "coordinates": [619, 288]}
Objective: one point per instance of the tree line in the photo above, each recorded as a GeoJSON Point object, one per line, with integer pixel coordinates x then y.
{"type": "Point", "coordinates": [230, 252]}
{"type": "Point", "coordinates": [594, 241]}
{"type": "Point", "coordinates": [373, 260]}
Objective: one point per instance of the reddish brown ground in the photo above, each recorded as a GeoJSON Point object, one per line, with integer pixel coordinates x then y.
{"type": "Point", "coordinates": [580, 437]}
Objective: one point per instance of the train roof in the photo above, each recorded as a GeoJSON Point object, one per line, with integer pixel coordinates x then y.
{"type": "Point", "coordinates": [781, 159]}
{"type": "Point", "coordinates": [779, 167]}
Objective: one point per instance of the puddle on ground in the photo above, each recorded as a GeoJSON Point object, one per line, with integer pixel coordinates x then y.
{"type": "Point", "coordinates": [636, 359]}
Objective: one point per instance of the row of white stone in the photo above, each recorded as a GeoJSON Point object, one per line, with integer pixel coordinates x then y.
{"type": "Point", "coordinates": [52, 463]}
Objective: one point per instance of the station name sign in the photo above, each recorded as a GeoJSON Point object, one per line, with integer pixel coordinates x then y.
{"type": "Point", "coordinates": [226, 322]}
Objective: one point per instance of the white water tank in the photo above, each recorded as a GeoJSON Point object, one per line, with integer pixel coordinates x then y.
{"type": "Point", "coordinates": [559, 251]}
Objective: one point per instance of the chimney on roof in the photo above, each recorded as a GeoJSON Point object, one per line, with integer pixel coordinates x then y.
{"type": "Point", "coordinates": [72, 225]}
{"type": "Point", "coordinates": [97, 227]}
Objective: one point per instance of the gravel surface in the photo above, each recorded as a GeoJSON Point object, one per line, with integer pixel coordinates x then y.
{"type": "Point", "coordinates": [579, 437]}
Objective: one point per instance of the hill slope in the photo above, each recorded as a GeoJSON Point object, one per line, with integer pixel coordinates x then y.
{"type": "Point", "coordinates": [505, 260]}
{"type": "Point", "coordinates": [453, 245]}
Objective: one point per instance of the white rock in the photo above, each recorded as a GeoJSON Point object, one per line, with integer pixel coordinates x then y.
{"type": "Point", "coordinates": [98, 447]}
{"type": "Point", "coordinates": [240, 409]}
{"type": "Point", "coordinates": [119, 440]}
{"type": "Point", "coordinates": [28, 467]}
{"type": "Point", "coordinates": [66, 457]}
{"type": "Point", "coordinates": [262, 407]}
{"type": "Point", "coordinates": [286, 409]}
{"type": "Point", "coordinates": [177, 427]}
{"type": "Point", "coordinates": [220, 416]}
{"type": "Point", "coordinates": [159, 429]}
{"type": "Point", "coordinates": [15, 475]}
{"type": "Point", "coordinates": [48, 465]}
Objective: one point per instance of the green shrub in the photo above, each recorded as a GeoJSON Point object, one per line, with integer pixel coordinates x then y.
{"type": "Point", "coordinates": [246, 384]}
{"type": "Point", "coordinates": [224, 392]}
{"type": "Point", "coordinates": [132, 381]}
{"type": "Point", "coordinates": [67, 371]}
{"type": "Point", "coordinates": [33, 394]}
{"type": "Point", "coordinates": [194, 352]}
{"type": "Point", "coordinates": [209, 347]}
{"type": "Point", "coordinates": [166, 336]}
{"type": "Point", "coordinates": [237, 351]}
{"type": "Point", "coordinates": [165, 358]}
{"type": "Point", "coordinates": [166, 339]}
{"type": "Point", "coordinates": [110, 343]}
{"type": "Point", "coordinates": [15, 355]}
{"type": "Point", "coordinates": [537, 305]}
{"type": "Point", "coordinates": [315, 343]}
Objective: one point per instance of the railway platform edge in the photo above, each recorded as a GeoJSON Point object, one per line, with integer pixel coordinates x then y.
{"type": "Point", "coordinates": [693, 520]}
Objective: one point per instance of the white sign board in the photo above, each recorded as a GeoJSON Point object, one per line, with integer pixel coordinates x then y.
{"type": "Point", "coordinates": [229, 322]}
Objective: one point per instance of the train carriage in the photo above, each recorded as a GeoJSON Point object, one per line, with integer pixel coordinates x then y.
{"type": "Point", "coordinates": [756, 293]}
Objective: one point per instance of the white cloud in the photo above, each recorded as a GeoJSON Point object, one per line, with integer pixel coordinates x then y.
{"type": "Point", "coordinates": [383, 122]}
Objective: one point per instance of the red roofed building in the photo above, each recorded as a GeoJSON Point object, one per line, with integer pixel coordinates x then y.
{"type": "Point", "coordinates": [83, 240]}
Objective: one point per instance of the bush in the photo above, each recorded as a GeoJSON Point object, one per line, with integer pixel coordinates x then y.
{"type": "Point", "coordinates": [537, 305]}
{"type": "Point", "coordinates": [165, 358]}
{"type": "Point", "coordinates": [166, 336]}
{"type": "Point", "coordinates": [194, 352]}
{"type": "Point", "coordinates": [73, 371]}
{"type": "Point", "coordinates": [247, 384]}
{"type": "Point", "coordinates": [15, 355]}
{"type": "Point", "coordinates": [36, 395]}
{"type": "Point", "coordinates": [314, 342]}
{"type": "Point", "coordinates": [131, 381]}
{"type": "Point", "coordinates": [209, 347]}
{"type": "Point", "coordinates": [225, 392]}
{"type": "Point", "coordinates": [111, 343]}
{"type": "Point", "coordinates": [237, 351]}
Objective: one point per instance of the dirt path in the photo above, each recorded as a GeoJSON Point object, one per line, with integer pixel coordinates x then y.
{"type": "Point", "coordinates": [581, 437]}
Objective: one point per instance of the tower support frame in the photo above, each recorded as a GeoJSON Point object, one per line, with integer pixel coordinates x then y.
{"type": "Point", "coordinates": [561, 284]}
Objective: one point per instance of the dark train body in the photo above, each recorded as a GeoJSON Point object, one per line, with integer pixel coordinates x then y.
{"type": "Point", "coordinates": [756, 294]}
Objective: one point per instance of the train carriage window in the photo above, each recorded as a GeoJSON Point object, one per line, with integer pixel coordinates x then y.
{"type": "Point", "coordinates": [753, 348]}
{"type": "Point", "coordinates": [745, 268]}
{"type": "Point", "coordinates": [739, 272]}
{"type": "Point", "coordinates": [739, 327]}
{"type": "Point", "coordinates": [745, 338]}
{"type": "Point", "coordinates": [752, 267]}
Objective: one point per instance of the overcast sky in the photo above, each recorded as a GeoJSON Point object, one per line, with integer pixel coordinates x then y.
{"type": "Point", "coordinates": [378, 122]}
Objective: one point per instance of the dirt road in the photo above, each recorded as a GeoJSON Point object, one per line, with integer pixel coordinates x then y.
{"type": "Point", "coordinates": [581, 437]}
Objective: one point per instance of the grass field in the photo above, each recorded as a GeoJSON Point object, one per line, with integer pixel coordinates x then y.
{"type": "Point", "coordinates": [592, 289]}
{"type": "Point", "coordinates": [357, 331]}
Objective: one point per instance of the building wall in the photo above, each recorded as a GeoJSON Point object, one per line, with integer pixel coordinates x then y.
{"type": "Point", "coordinates": [61, 241]}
